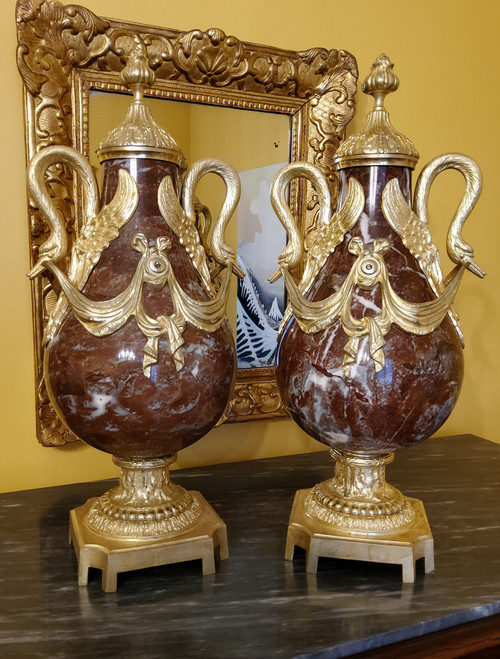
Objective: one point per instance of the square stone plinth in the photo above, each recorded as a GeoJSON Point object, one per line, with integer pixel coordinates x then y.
{"type": "Point", "coordinates": [113, 555]}
{"type": "Point", "coordinates": [320, 539]}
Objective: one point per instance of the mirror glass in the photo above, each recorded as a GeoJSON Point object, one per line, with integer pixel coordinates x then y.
{"type": "Point", "coordinates": [257, 145]}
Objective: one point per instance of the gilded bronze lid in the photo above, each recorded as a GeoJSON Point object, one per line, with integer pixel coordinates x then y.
{"type": "Point", "coordinates": [138, 135]}
{"type": "Point", "coordinates": [378, 143]}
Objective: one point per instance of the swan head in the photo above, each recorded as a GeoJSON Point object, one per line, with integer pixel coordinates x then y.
{"type": "Point", "coordinates": [463, 254]}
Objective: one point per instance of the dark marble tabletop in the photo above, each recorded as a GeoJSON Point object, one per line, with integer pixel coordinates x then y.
{"type": "Point", "coordinates": [257, 604]}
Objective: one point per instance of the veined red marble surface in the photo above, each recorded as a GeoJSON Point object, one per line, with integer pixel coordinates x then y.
{"type": "Point", "coordinates": [414, 393]}
{"type": "Point", "coordinates": [97, 384]}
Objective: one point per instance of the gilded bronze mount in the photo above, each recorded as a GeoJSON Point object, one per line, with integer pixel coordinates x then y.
{"type": "Point", "coordinates": [357, 515]}
{"type": "Point", "coordinates": [146, 520]}
{"type": "Point", "coordinates": [358, 500]}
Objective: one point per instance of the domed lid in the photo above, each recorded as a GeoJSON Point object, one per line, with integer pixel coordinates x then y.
{"type": "Point", "coordinates": [139, 136]}
{"type": "Point", "coordinates": [378, 143]}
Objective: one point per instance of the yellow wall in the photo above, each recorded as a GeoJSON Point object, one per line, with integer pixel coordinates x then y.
{"type": "Point", "coordinates": [446, 54]}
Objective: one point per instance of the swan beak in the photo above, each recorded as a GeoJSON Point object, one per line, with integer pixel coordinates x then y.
{"type": "Point", "coordinates": [275, 276]}
{"type": "Point", "coordinates": [238, 271]}
{"type": "Point", "coordinates": [38, 269]}
{"type": "Point", "coordinates": [473, 267]}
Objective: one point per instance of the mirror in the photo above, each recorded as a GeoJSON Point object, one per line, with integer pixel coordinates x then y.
{"type": "Point", "coordinates": [302, 101]}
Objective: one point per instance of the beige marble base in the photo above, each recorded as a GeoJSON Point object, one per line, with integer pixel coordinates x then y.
{"type": "Point", "coordinates": [320, 539]}
{"type": "Point", "coordinates": [113, 555]}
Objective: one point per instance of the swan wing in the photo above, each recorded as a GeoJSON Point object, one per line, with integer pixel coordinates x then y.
{"type": "Point", "coordinates": [184, 227]}
{"type": "Point", "coordinates": [332, 234]}
{"type": "Point", "coordinates": [94, 237]}
{"type": "Point", "coordinates": [98, 232]}
{"type": "Point", "coordinates": [414, 233]}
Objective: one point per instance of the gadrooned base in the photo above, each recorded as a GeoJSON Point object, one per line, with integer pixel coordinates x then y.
{"type": "Point", "coordinates": [403, 547]}
{"type": "Point", "coordinates": [113, 555]}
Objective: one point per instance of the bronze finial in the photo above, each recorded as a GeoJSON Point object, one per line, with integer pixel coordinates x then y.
{"type": "Point", "coordinates": [378, 143]}
{"type": "Point", "coordinates": [138, 135]}
{"type": "Point", "coordinates": [137, 74]}
{"type": "Point", "coordinates": [381, 80]}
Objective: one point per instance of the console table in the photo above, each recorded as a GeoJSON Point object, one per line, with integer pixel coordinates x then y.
{"type": "Point", "coordinates": [257, 604]}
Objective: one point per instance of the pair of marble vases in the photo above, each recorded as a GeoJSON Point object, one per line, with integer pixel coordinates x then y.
{"type": "Point", "coordinates": [140, 362]}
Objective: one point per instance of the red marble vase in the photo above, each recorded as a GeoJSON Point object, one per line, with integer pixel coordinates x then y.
{"type": "Point", "coordinates": [415, 391]}
{"type": "Point", "coordinates": [370, 359]}
{"type": "Point", "coordinates": [97, 384]}
{"type": "Point", "coordinates": [139, 360]}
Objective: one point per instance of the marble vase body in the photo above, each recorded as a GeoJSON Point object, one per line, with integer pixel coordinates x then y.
{"type": "Point", "coordinates": [365, 410]}
{"type": "Point", "coordinates": [97, 383]}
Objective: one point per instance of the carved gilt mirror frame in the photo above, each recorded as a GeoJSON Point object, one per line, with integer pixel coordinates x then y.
{"type": "Point", "coordinates": [64, 52]}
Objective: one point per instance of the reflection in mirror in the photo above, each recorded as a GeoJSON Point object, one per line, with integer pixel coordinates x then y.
{"type": "Point", "coordinates": [260, 239]}
{"type": "Point", "coordinates": [256, 144]}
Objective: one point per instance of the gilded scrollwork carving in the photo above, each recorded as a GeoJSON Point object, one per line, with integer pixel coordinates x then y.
{"type": "Point", "coordinates": [64, 51]}
{"type": "Point", "coordinates": [210, 57]}
{"type": "Point", "coordinates": [255, 399]}
{"type": "Point", "coordinates": [52, 39]}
